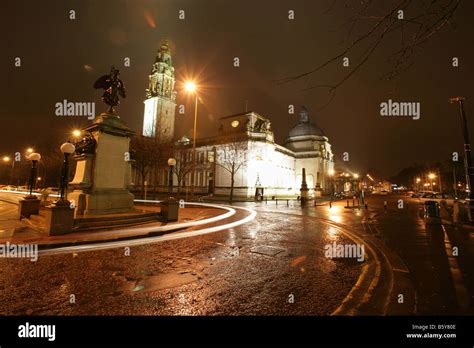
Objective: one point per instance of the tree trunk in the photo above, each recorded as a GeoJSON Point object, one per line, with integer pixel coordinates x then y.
{"type": "Point", "coordinates": [231, 198]}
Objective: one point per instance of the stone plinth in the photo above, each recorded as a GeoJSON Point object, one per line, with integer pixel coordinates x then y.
{"type": "Point", "coordinates": [28, 206]}
{"type": "Point", "coordinates": [59, 218]}
{"type": "Point", "coordinates": [169, 210]}
{"type": "Point", "coordinates": [103, 174]}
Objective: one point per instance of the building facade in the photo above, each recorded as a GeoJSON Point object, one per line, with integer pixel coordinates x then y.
{"type": "Point", "coordinates": [243, 154]}
{"type": "Point", "coordinates": [160, 102]}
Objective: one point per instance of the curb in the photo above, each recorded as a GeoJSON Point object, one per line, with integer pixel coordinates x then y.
{"type": "Point", "coordinates": [451, 223]}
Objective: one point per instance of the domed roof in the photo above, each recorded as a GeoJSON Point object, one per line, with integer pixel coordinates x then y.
{"type": "Point", "coordinates": [304, 127]}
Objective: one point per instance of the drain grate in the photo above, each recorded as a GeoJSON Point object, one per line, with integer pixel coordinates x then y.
{"type": "Point", "coordinates": [266, 250]}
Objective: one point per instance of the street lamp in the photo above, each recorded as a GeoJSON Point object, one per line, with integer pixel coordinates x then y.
{"type": "Point", "coordinates": [76, 133]}
{"type": "Point", "coordinates": [34, 158]}
{"type": "Point", "coordinates": [191, 87]}
{"type": "Point", "coordinates": [171, 164]}
{"type": "Point", "coordinates": [431, 176]}
{"type": "Point", "coordinates": [29, 150]}
{"type": "Point", "coordinates": [7, 159]}
{"type": "Point", "coordinates": [67, 149]}
{"type": "Point", "coordinates": [467, 152]}
{"type": "Point", "coordinates": [331, 176]}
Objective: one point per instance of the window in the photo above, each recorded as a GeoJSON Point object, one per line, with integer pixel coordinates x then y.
{"type": "Point", "coordinates": [210, 156]}
{"type": "Point", "coordinates": [234, 123]}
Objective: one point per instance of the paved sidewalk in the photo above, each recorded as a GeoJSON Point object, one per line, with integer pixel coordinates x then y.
{"type": "Point", "coordinates": [15, 231]}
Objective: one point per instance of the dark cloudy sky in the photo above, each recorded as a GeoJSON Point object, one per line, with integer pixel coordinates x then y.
{"type": "Point", "coordinates": [55, 50]}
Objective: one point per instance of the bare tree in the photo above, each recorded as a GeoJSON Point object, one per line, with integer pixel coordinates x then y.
{"type": "Point", "coordinates": [144, 155]}
{"type": "Point", "coordinates": [184, 165]}
{"type": "Point", "coordinates": [232, 157]}
{"type": "Point", "coordinates": [416, 22]}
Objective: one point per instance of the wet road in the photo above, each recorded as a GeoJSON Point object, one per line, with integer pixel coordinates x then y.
{"type": "Point", "coordinates": [273, 265]}
{"type": "Point", "coordinates": [254, 269]}
{"type": "Point", "coordinates": [443, 281]}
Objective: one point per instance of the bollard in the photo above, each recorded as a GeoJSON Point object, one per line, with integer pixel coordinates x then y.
{"type": "Point", "coordinates": [330, 204]}
{"type": "Point", "coordinates": [385, 205]}
{"type": "Point", "coordinates": [366, 206]}
{"type": "Point", "coordinates": [348, 203]}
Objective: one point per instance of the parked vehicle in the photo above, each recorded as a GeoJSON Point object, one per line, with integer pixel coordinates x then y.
{"type": "Point", "coordinates": [11, 188]}
{"type": "Point", "coordinates": [437, 196]}
{"type": "Point", "coordinates": [431, 212]}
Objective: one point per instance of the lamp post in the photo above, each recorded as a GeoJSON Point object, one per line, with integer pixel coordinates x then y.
{"type": "Point", "coordinates": [30, 204]}
{"type": "Point", "coordinates": [331, 176]}
{"type": "Point", "coordinates": [7, 159]}
{"type": "Point", "coordinates": [191, 88]}
{"type": "Point", "coordinates": [171, 164]}
{"type": "Point", "coordinates": [34, 158]}
{"type": "Point", "coordinates": [431, 176]}
{"type": "Point", "coordinates": [67, 149]}
{"type": "Point", "coordinates": [467, 152]}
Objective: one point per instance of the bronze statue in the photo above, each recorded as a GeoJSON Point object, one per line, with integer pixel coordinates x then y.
{"type": "Point", "coordinates": [113, 87]}
{"type": "Point", "coordinates": [86, 145]}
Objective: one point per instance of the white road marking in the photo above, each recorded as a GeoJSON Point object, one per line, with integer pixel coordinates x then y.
{"type": "Point", "coordinates": [148, 240]}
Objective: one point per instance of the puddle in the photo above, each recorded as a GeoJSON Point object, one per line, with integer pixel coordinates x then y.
{"type": "Point", "coordinates": [160, 282]}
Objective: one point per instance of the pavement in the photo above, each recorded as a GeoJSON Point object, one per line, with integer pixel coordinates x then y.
{"type": "Point", "coordinates": [272, 265]}
{"type": "Point", "coordinates": [15, 231]}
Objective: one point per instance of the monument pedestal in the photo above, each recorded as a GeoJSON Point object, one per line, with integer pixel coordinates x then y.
{"type": "Point", "coordinates": [103, 173]}
{"type": "Point", "coordinates": [59, 218]}
{"type": "Point", "coordinates": [28, 206]}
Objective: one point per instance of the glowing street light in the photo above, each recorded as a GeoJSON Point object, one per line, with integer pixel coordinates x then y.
{"type": "Point", "coordinates": [76, 133]}
{"type": "Point", "coordinates": [6, 159]}
{"type": "Point", "coordinates": [190, 86]}
{"type": "Point", "coordinates": [29, 150]}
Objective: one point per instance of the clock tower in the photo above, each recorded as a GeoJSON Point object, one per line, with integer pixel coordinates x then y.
{"type": "Point", "coordinates": [160, 102]}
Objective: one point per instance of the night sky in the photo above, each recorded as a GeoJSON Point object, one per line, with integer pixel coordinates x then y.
{"type": "Point", "coordinates": [61, 58]}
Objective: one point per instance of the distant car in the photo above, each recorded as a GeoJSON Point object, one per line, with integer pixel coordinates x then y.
{"type": "Point", "coordinates": [11, 188]}
{"type": "Point", "coordinates": [384, 192]}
